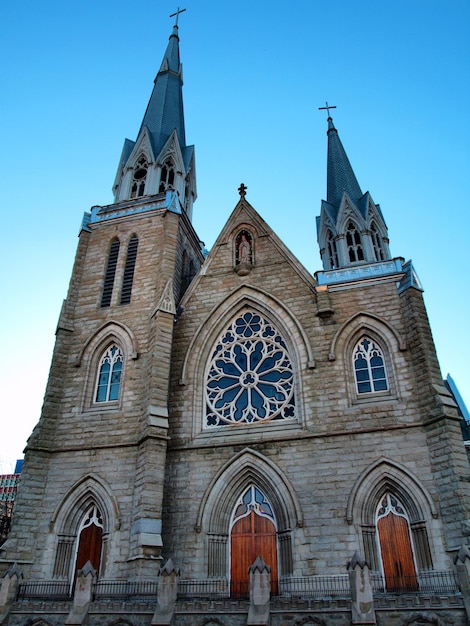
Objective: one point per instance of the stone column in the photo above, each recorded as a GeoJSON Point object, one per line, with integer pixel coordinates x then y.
{"type": "Point", "coordinates": [8, 591]}
{"type": "Point", "coordinates": [167, 593]}
{"type": "Point", "coordinates": [362, 598]}
{"type": "Point", "coordinates": [83, 594]}
{"type": "Point", "coordinates": [260, 593]}
{"type": "Point", "coordinates": [462, 563]}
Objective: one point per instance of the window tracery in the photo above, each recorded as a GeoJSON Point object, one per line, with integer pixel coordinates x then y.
{"type": "Point", "coordinates": [140, 176]}
{"type": "Point", "coordinates": [167, 176]}
{"type": "Point", "coordinates": [109, 375]}
{"type": "Point", "coordinates": [250, 377]}
{"type": "Point", "coordinates": [354, 243]}
{"type": "Point", "coordinates": [253, 500]}
{"type": "Point", "coordinates": [377, 243]}
{"type": "Point", "coordinates": [332, 250]}
{"type": "Point", "coordinates": [369, 367]}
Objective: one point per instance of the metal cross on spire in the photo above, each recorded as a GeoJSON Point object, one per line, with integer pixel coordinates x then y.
{"type": "Point", "coordinates": [327, 108]}
{"type": "Point", "coordinates": [178, 11]}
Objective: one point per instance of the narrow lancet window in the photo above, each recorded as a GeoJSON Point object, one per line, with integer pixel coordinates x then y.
{"type": "Point", "coordinates": [129, 268]}
{"type": "Point", "coordinates": [377, 243]}
{"type": "Point", "coordinates": [110, 273]}
{"type": "Point", "coordinates": [167, 177]}
{"type": "Point", "coordinates": [109, 375]}
{"type": "Point", "coordinates": [369, 367]}
{"type": "Point", "coordinates": [354, 243]}
{"type": "Point", "coordinates": [332, 251]}
{"type": "Point", "coordinates": [140, 176]}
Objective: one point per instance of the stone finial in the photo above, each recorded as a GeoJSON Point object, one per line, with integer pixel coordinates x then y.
{"type": "Point", "coordinates": [356, 560]}
{"type": "Point", "coordinates": [169, 569]}
{"type": "Point", "coordinates": [87, 570]}
{"type": "Point", "coordinates": [14, 571]}
{"type": "Point", "coordinates": [259, 565]}
{"type": "Point", "coordinates": [463, 554]}
{"type": "Point", "coordinates": [242, 190]}
{"type": "Point", "coordinates": [362, 595]}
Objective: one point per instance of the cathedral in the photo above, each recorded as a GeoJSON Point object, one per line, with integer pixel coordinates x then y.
{"type": "Point", "coordinates": [227, 439]}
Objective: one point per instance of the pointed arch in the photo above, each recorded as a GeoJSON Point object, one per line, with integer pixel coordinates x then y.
{"type": "Point", "coordinates": [89, 497]}
{"type": "Point", "coordinates": [247, 468]}
{"type": "Point", "coordinates": [366, 322]}
{"type": "Point", "coordinates": [224, 311]}
{"type": "Point", "coordinates": [139, 177]}
{"type": "Point", "coordinates": [167, 175]}
{"type": "Point", "coordinates": [383, 481]}
{"type": "Point", "coordinates": [105, 334]}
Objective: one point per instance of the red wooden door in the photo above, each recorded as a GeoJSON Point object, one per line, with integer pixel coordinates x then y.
{"type": "Point", "coordinates": [397, 553]}
{"type": "Point", "coordinates": [89, 547]}
{"type": "Point", "coordinates": [251, 536]}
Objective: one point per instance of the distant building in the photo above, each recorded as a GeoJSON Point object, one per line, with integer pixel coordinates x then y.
{"type": "Point", "coordinates": [8, 489]}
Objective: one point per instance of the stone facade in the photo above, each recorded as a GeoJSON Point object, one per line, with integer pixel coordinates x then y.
{"type": "Point", "coordinates": [237, 401]}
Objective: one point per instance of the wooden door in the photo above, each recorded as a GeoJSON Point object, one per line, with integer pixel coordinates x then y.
{"type": "Point", "coordinates": [89, 547]}
{"type": "Point", "coordinates": [397, 553]}
{"type": "Point", "coordinates": [251, 536]}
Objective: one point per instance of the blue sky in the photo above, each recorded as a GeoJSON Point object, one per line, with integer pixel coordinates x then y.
{"type": "Point", "coordinates": [76, 81]}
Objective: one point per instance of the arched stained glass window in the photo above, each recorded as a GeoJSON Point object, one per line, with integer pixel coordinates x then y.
{"type": "Point", "coordinates": [109, 375]}
{"type": "Point", "coordinates": [250, 377]}
{"type": "Point", "coordinates": [369, 367]}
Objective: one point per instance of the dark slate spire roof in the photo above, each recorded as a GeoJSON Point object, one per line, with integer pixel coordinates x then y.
{"type": "Point", "coordinates": [340, 175]}
{"type": "Point", "coordinates": [165, 108]}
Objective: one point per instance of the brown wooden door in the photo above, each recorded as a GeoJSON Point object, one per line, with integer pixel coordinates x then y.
{"type": "Point", "coordinates": [251, 536]}
{"type": "Point", "coordinates": [89, 547]}
{"type": "Point", "coordinates": [397, 553]}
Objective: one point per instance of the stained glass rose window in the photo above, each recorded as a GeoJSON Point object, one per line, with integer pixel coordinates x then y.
{"type": "Point", "coordinates": [250, 377]}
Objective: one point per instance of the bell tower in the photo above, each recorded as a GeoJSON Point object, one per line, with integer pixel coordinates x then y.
{"type": "Point", "coordinates": [95, 462]}
{"type": "Point", "coordinates": [351, 229]}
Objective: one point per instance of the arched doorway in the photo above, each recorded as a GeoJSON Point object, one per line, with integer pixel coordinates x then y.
{"type": "Point", "coordinates": [252, 534]}
{"type": "Point", "coordinates": [90, 540]}
{"type": "Point", "coordinates": [395, 546]}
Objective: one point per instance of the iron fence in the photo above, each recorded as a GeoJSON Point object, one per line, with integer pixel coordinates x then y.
{"type": "Point", "coordinates": [125, 589]}
{"type": "Point", "coordinates": [209, 589]}
{"type": "Point", "coordinates": [316, 587]}
{"type": "Point", "coordinates": [44, 590]}
{"type": "Point", "coordinates": [432, 582]}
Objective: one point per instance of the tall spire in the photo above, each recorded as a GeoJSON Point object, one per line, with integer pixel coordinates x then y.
{"type": "Point", "coordinates": [340, 175]}
{"type": "Point", "coordinates": [165, 108]}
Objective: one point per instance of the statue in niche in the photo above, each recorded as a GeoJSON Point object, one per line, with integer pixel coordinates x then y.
{"type": "Point", "coordinates": [243, 252]}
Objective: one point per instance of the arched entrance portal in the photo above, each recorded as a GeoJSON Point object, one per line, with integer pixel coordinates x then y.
{"type": "Point", "coordinates": [395, 546]}
{"type": "Point", "coordinates": [90, 540]}
{"type": "Point", "coordinates": [252, 534]}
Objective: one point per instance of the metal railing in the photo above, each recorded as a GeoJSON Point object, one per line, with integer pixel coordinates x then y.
{"type": "Point", "coordinates": [125, 590]}
{"type": "Point", "coordinates": [432, 582]}
{"type": "Point", "coordinates": [210, 589]}
{"type": "Point", "coordinates": [41, 589]}
{"type": "Point", "coordinates": [317, 587]}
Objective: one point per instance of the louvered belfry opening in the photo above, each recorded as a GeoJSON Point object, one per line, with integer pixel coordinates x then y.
{"type": "Point", "coordinates": [129, 268]}
{"type": "Point", "coordinates": [110, 273]}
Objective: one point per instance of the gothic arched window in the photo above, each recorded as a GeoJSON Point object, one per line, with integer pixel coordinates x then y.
{"type": "Point", "coordinates": [250, 377]}
{"type": "Point", "coordinates": [369, 367]}
{"type": "Point", "coordinates": [129, 268]}
{"type": "Point", "coordinates": [167, 176]}
{"type": "Point", "coordinates": [108, 381]}
{"type": "Point", "coordinates": [140, 176]}
{"type": "Point", "coordinates": [332, 251]}
{"type": "Point", "coordinates": [377, 243]}
{"type": "Point", "coordinates": [110, 273]}
{"type": "Point", "coordinates": [354, 243]}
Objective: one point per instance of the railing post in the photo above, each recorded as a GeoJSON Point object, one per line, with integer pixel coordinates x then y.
{"type": "Point", "coordinates": [83, 594]}
{"type": "Point", "coordinates": [167, 594]}
{"type": "Point", "coordinates": [362, 597]}
{"type": "Point", "coordinates": [8, 591]}
{"type": "Point", "coordinates": [462, 563]}
{"type": "Point", "coordinates": [260, 593]}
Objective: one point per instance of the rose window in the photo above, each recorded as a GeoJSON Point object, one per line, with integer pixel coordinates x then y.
{"type": "Point", "coordinates": [250, 377]}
